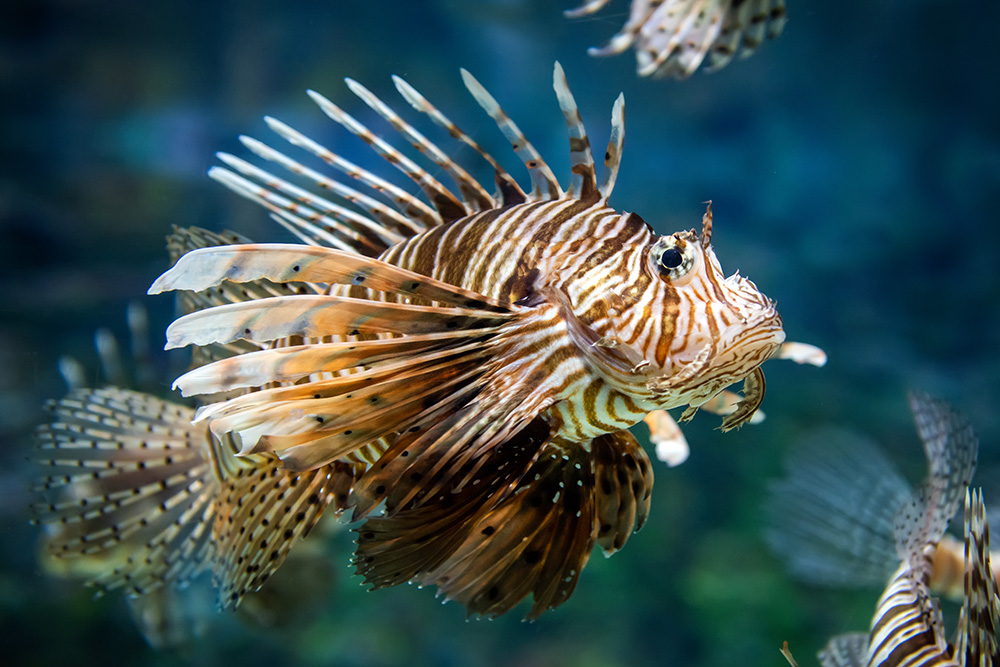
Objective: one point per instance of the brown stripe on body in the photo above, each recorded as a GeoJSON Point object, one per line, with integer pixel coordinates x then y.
{"type": "Point", "coordinates": [670, 311]}
{"type": "Point", "coordinates": [590, 396]}
{"type": "Point", "coordinates": [456, 263]}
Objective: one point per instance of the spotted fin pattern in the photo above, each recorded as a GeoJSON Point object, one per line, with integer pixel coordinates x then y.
{"type": "Point", "coordinates": [129, 480]}
{"type": "Point", "coordinates": [672, 38]}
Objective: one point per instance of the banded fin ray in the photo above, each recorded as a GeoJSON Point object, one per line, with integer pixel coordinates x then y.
{"type": "Point", "coordinates": [447, 206]}
{"type": "Point", "coordinates": [283, 263]}
{"type": "Point", "coordinates": [979, 620]}
{"type": "Point", "coordinates": [475, 198]}
{"type": "Point", "coordinates": [510, 191]}
{"type": "Point", "coordinates": [314, 316]}
{"type": "Point", "coordinates": [385, 221]}
{"type": "Point", "coordinates": [417, 215]}
{"type": "Point", "coordinates": [545, 186]}
{"type": "Point", "coordinates": [584, 185]}
{"type": "Point", "coordinates": [613, 155]}
{"type": "Point", "coordinates": [314, 219]}
{"type": "Point", "coordinates": [292, 363]}
{"type": "Point", "coordinates": [262, 512]}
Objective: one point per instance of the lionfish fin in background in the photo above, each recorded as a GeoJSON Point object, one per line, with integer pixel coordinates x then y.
{"type": "Point", "coordinates": [844, 516]}
{"type": "Point", "coordinates": [673, 38]}
{"type": "Point", "coordinates": [831, 518]}
{"type": "Point", "coordinates": [907, 626]}
{"type": "Point", "coordinates": [951, 447]}
{"type": "Point", "coordinates": [128, 480]}
{"type": "Point", "coordinates": [148, 499]}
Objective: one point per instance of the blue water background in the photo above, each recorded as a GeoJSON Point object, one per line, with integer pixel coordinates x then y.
{"type": "Point", "coordinates": [854, 169]}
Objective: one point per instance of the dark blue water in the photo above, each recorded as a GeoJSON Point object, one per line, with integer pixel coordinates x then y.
{"type": "Point", "coordinates": [854, 169]}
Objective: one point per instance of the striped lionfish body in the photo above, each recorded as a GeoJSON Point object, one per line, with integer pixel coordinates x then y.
{"type": "Point", "coordinates": [459, 369]}
{"type": "Point", "coordinates": [672, 38]}
{"type": "Point", "coordinates": [906, 628]}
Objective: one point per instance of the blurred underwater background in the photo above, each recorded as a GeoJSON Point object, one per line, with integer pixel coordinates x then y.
{"type": "Point", "coordinates": [854, 169]}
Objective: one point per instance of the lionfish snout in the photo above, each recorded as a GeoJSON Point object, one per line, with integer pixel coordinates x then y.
{"type": "Point", "coordinates": [751, 328]}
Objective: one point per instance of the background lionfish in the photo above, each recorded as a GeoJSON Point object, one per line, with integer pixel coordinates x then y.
{"type": "Point", "coordinates": [167, 616]}
{"type": "Point", "coordinates": [846, 516]}
{"type": "Point", "coordinates": [673, 37]}
{"type": "Point", "coordinates": [466, 364]}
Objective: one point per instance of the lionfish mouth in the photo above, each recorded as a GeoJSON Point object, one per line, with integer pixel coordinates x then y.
{"type": "Point", "coordinates": [750, 344]}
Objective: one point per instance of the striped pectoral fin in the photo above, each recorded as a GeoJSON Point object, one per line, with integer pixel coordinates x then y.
{"type": "Point", "coordinates": [130, 488]}
{"type": "Point", "coordinates": [292, 363]}
{"type": "Point", "coordinates": [514, 385]}
{"type": "Point", "coordinates": [317, 316]}
{"type": "Point", "coordinates": [313, 423]}
{"type": "Point", "coordinates": [262, 512]}
{"type": "Point", "coordinates": [624, 486]}
{"type": "Point", "coordinates": [535, 541]}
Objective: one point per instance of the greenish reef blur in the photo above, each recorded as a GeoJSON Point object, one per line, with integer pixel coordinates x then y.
{"type": "Point", "coordinates": [854, 169]}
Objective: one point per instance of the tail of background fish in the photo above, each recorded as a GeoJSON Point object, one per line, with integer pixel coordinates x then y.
{"type": "Point", "coordinates": [831, 519]}
{"type": "Point", "coordinates": [857, 528]}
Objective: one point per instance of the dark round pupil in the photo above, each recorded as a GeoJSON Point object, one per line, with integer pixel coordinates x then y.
{"type": "Point", "coordinates": [671, 258]}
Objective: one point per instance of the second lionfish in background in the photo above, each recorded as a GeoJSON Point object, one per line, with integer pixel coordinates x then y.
{"type": "Point", "coordinates": [672, 38]}
{"type": "Point", "coordinates": [459, 369]}
{"type": "Point", "coordinates": [845, 516]}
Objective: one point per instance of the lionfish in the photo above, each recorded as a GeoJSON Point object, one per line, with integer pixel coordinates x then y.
{"type": "Point", "coordinates": [672, 38]}
{"type": "Point", "coordinates": [458, 370]}
{"type": "Point", "coordinates": [844, 508]}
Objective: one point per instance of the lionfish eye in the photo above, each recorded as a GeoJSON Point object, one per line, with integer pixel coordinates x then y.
{"type": "Point", "coordinates": [673, 257]}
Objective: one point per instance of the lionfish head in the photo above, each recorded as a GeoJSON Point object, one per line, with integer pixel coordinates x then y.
{"type": "Point", "coordinates": [715, 331]}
